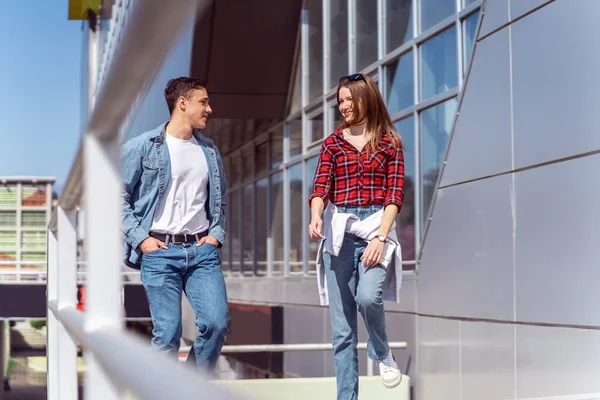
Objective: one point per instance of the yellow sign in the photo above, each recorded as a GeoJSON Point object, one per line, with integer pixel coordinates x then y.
{"type": "Point", "coordinates": [78, 9]}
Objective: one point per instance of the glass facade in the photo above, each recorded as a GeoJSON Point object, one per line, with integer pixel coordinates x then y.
{"type": "Point", "coordinates": [417, 51]}
{"type": "Point", "coordinates": [24, 217]}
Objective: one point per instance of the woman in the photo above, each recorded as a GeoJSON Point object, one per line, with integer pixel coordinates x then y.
{"type": "Point", "coordinates": [360, 178]}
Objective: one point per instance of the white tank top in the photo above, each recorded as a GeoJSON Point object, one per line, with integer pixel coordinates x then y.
{"type": "Point", "coordinates": [182, 207]}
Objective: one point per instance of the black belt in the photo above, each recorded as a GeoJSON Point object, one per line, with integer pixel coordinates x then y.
{"type": "Point", "coordinates": [179, 238]}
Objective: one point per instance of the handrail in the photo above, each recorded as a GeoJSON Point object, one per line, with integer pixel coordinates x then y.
{"type": "Point", "coordinates": [119, 353]}
{"type": "Point", "coordinates": [275, 348]}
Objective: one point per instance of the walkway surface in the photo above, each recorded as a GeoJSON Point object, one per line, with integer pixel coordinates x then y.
{"type": "Point", "coordinates": [28, 370]}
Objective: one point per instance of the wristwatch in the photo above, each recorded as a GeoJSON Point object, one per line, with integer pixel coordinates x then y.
{"type": "Point", "coordinates": [381, 238]}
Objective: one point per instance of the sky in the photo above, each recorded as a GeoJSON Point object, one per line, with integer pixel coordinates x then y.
{"type": "Point", "coordinates": [40, 81]}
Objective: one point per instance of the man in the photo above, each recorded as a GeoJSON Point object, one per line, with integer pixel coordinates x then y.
{"type": "Point", "coordinates": [174, 219]}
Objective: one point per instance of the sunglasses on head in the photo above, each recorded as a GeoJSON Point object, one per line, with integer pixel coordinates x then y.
{"type": "Point", "coordinates": [353, 77]}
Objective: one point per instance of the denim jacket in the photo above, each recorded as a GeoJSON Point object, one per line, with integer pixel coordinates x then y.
{"type": "Point", "coordinates": [146, 173]}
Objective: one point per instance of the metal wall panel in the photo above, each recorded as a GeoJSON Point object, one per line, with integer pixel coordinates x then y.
{"type": "Point", "coordinates": [520, 7]}
{"type": "Point", "coordinates": [439, 359]}
{"type": "Point", "coordinates": [402, 328]}
{"type": "Point", "coordinates": [487, 361]}
{"type": "Point", "coordinates": [481, 142]}
{"type": "Point", "coordinates": [408, 296]}
{"type": "Point", "coordinates": [557, 249]}
{"type": "Point", "coordinates": [467, 264]}
{"type": "Point", "coordinates": [557, 362]}
{"type": "Point", "coordinates": [496, 15]}
{"type": "Point", "coordinates": [555, 62]}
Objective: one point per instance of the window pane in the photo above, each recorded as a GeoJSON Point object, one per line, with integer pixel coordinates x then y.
{"type": "Point", "coordinates": [467, 2]}
{"type": "Point", "coordinates": [313, 245]}
{"type": "Point", "coordinates": [34, 218]}
{"type": "Point", "coordinates": [7, 260]}
{"type": "Point", "coordinates": [296, 225]}
{"type": "Point", "coordinates": [315, 48]}
{"type": "Point", "coordinates": [316, 128]}
{"type": "Point", "coordinates": [8, 240]}
{"type": "Point", "coordinates": [236, 242]}
{"type": "Point", "coordinates": [277, 221]}
{"type": "Point", "coordinates": [33, 240]}
{"type": "Point", "coordinates": [248, 228]}
{"type": "Point", "coordinates": [236, 169]}
{"type": "Point", "coordinates": [38, 256]}
{"type": "Point", "coordinates": [34, 196]}
{"type": "Point", "coordinates": [400, 83]}
{"type": "Point", "coordinates": [336, 118]}
{"type": "Point", "coordinates": [339, 40]}
{"type": "Point", "coordinates": [295, 128]}
{"type": "Point", "coordinates": [8, 218]}
{"type": "Point", "coordinates": [8, 196]}
{"type": "Point", "coordinates": [366, 33]}
{"type": "Point", "coordinates": [262, 232]}
{"type": "Point", "coordinates": [399, 24]}
{"type": "Point", "coordinates": [248, 164]}
{"type": "Point", "coordinates": [439, 64]}
{"type": "Point", "coordinates": [9, 257]}
{"type": "Point", "coordinates": [470, 27]}
{"type": "Point", "coordinates": [437, 124]}
{"type": "Point", "coordinates": [434, 11]}
{"type": "Point", "coordinates": [276, 149]}
{"type": "Point", "coordinates": [405, 222]}
{"type": "Point", "coordinates": [296, 102]}
{"type": "Point", "coordinates": [262, 157]}
{"type": "Point", "coordinates": [228, 169]}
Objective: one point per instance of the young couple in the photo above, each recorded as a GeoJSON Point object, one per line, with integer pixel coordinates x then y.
{"type": "Point", "coordinates": [174, 218]}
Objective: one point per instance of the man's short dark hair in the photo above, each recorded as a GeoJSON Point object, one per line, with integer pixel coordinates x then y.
{"type": "Point", "coordinates": [181, 86]}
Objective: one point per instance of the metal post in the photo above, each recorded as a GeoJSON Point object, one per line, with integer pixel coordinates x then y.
{"type": "Point", "coordinates": [306, 132]}
{"type": "Point", "coordinates": [103, 239]}
{"type": "Point", "coordinates": [381, 30]}
{"type": "Point", "coordinates": [52, 322]}
{"type": "Point", "coordinates": [94, 49]}
{"type": "Point", "coordinates": [67, 296]}
{"type": "Point", "coordinates": [351, 8]}
{"type": "Point", "coordinates": [286, 200]}
{"type": "Point", "coordinates": [326, 45]}
{"type": "Point", "coordinates": [3, 358]}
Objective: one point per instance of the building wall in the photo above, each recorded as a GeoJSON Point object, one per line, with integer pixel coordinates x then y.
{"type": "Point", "coordinates": [25, 208]}
{"type": "Point", "coordinates": [502, 305]}
{"type": "Point", "coordinates": [511, 252]}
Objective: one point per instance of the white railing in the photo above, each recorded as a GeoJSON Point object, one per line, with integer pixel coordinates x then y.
{"type": "Point", "coordinates": [275, 348]}
{"type": "Point", "coordinates": [118, 362]}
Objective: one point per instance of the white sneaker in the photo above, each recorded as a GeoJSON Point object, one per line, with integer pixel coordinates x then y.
{"type": "Point", "coordinates": [390, 374]}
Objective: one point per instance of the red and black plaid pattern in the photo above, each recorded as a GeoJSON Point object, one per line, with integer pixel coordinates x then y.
{"type": "Point", "coordinates": [348, 177]}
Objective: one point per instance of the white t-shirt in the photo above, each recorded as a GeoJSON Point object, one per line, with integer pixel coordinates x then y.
{"type": "Point", "coordinates": [182, 207]}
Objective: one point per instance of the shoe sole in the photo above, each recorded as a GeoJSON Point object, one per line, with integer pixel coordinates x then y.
{"type": "Point", "coordinates": [392, 384]}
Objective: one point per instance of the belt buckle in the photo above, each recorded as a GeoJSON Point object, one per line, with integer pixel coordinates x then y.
{"type": "Point", "coordinates": [185, 239]}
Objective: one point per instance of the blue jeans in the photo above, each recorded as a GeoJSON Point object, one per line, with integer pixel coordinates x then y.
{"type": "Point", "coordinates": [351, 286]}
{"type": "Point", "coordinates": [197, 272]}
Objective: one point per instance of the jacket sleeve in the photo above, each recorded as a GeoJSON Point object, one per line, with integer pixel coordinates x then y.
{"type": "Point", "coordinates": [218, 230]}
{"type": "Point", "coordinates": [132, 171]}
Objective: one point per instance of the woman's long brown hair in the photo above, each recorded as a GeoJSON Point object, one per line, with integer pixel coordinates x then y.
{"type": "Point", "coordinates": [369, 107]}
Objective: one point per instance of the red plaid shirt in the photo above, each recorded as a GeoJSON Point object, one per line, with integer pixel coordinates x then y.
{"type": "Point", "coordinates": [348, 177]}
